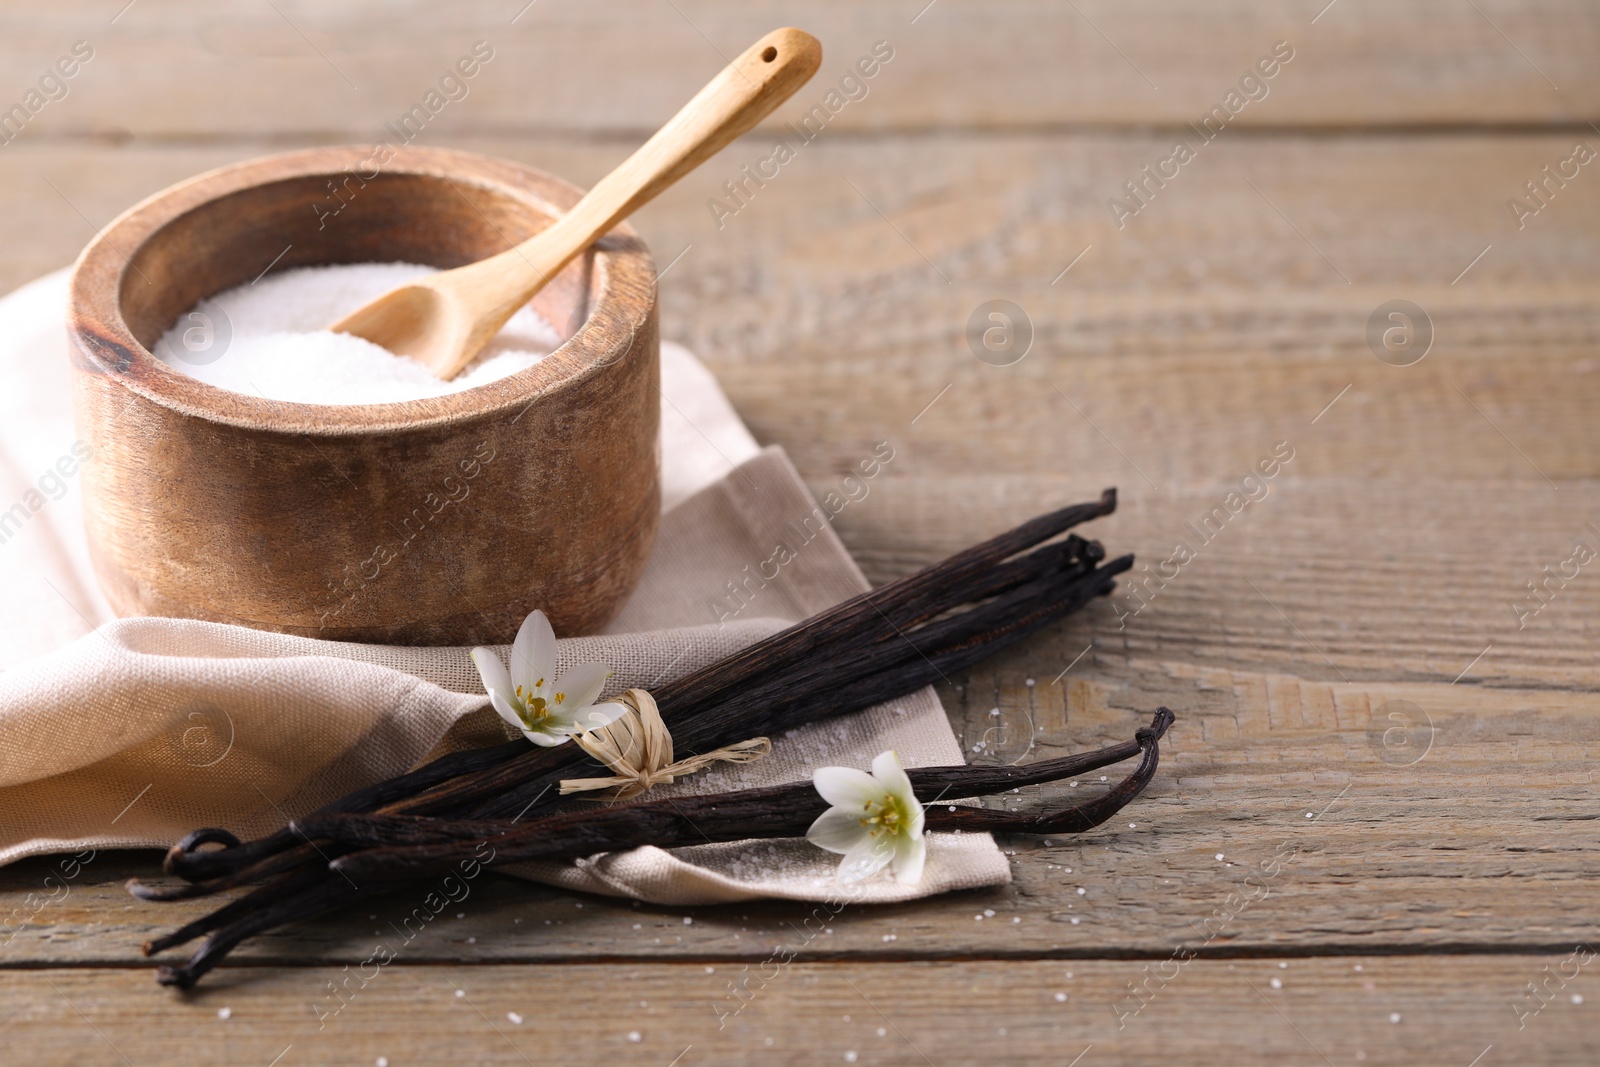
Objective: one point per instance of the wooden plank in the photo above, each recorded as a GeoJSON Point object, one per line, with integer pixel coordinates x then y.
{"type": "Point", "coordinates": [1384, 579]}
{"type": "Point", "coordinates": [192, 69]}
{"type": "Point", "coordinates": [1355, 816]}
{"type": "Point", "coordinates": [1373, 1009]}
{"type": "Point", "coordinates": [887, 245]}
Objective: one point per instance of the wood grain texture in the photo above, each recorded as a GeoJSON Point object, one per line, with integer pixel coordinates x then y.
{"type": "Point", "coordinates": [1372, 1009]}
{"type": "Point", "coordinates": [195, 69]}
{"type": "Point", "coordinates": [811, 271]}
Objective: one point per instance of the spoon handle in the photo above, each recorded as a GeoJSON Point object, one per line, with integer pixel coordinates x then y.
{"type": "Point", "coordinates": [745, 92]}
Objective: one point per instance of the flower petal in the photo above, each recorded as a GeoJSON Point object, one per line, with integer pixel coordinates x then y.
{"type": "Point", "coordinates": [846, 787]}
{"type": "Point", "coordinates": [497, 683]}
{"type": "Point", "coordinates": [837, 830]}
{"type": "Point", "coordinates": [580, 685]}
{"type": "Point", "coordinates": [910, 855]}
{"type": "Point", "coordinates": [595, 716]}
{"type": "Point", "coordinates": [492, 671]}
{"type": "Point", "coordinates": [533, 654]}
{"type": "Point", "coordinates": [866, 858]}
{"type": "Point", "coordinates": [545, 739]}
{"type": "Point", "coordinates": [887, 770]}
{"type": "Point", "coordinates": [570, 718]}
{"type": "Point", "coordinates": [503, 708]}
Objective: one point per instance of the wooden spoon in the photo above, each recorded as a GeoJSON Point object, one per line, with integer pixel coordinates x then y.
{"type": "Point", "coordinates": [446, 319]}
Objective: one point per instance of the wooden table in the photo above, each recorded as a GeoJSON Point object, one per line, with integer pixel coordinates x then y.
{"type": "Point", "coordinates": [1373, 838]}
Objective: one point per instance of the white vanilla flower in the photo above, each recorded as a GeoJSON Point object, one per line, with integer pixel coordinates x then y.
{"type": "Point", "coordinates": [547, 714]}
{"type": "Point", "coordinates": [875, 820]}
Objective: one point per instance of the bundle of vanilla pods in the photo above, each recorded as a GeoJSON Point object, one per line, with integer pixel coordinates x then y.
{"type": "Point", "coordinates": [869, 649]}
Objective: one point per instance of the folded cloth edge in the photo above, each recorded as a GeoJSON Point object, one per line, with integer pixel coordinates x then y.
{"type": "Point", "coordinates": [693, 408]}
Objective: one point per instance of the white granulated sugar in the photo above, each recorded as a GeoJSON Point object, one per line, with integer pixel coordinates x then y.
{"type": "Point", "coordinates": [274, 340]}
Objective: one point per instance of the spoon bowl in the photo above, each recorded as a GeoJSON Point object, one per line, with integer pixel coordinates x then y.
{"type": "Point", "coordinates": [409, 321]}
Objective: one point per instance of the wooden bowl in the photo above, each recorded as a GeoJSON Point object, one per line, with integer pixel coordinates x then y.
{"type": "Point", "coordinates": [436, 521]}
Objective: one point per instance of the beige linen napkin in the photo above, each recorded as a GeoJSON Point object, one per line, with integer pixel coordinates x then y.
{"type": "Point", "coordinates": [132, 732]}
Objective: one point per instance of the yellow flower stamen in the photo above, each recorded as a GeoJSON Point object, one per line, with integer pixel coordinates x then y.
{"type": "Point", "coordinates": [882, 816]}
{"type": "Point", "coordinates": [531, 710]}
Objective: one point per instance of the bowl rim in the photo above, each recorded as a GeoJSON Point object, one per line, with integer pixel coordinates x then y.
{"type": "Point", "coordinates": [102, 342]}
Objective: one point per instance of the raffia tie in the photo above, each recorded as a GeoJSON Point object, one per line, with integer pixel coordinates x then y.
{"type": "Point", "coordinates": [638, 750]}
